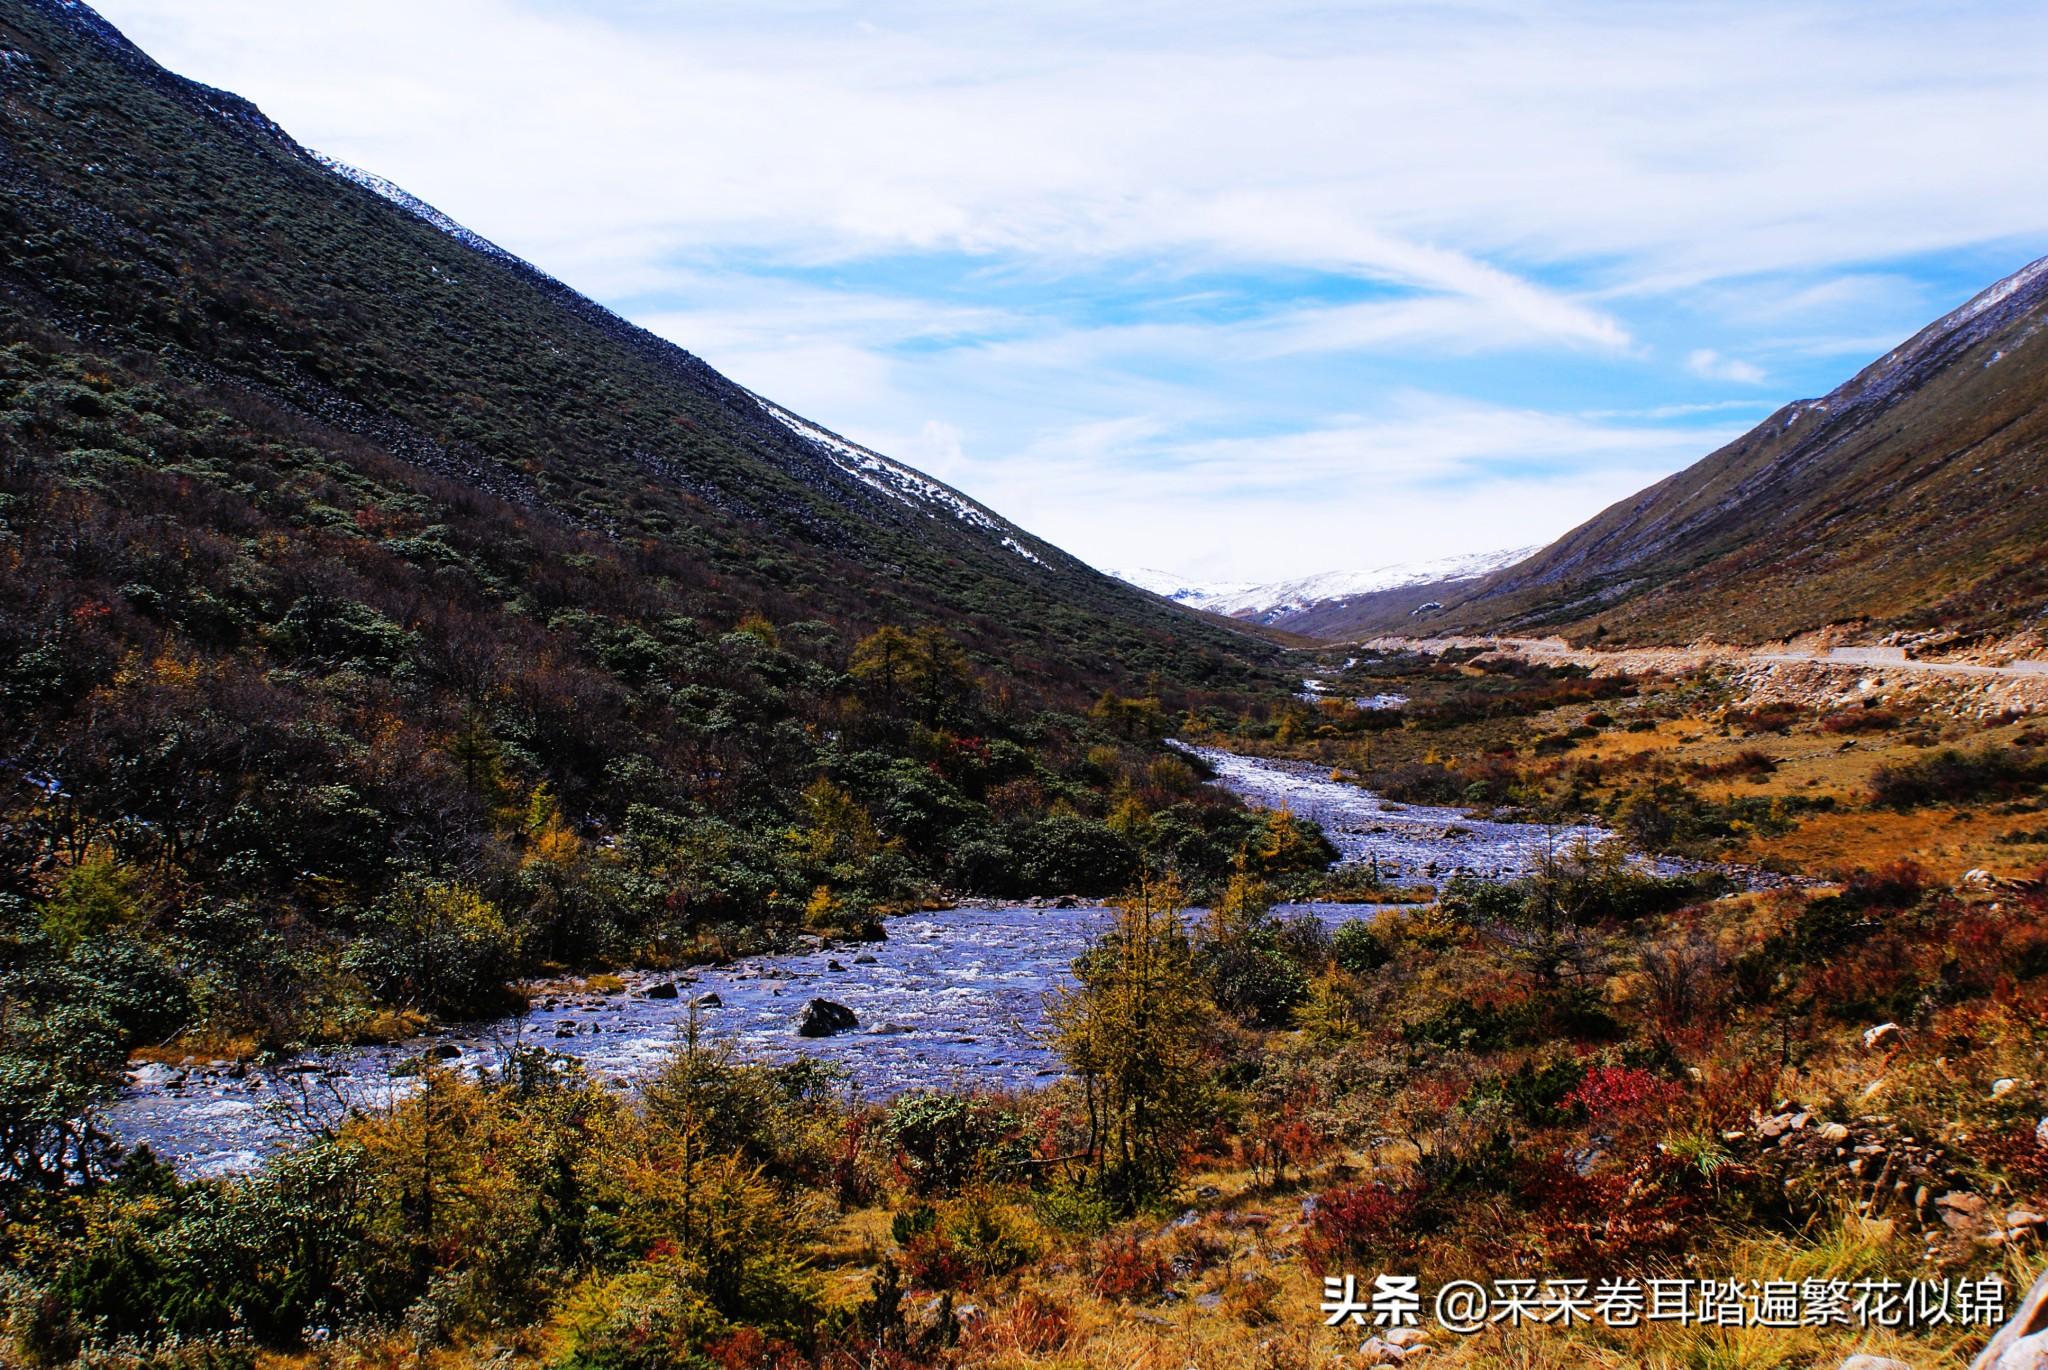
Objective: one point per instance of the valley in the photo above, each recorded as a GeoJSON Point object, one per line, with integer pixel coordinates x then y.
{"type": "Point", "coordinates": [520, 851]}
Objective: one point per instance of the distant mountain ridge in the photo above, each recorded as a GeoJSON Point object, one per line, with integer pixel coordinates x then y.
{"type": "Point", "coordinates": [1279, 603]}
{"type": "Point", "coordinates": [1913, 497]}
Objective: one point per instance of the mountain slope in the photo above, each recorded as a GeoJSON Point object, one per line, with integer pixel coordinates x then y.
{"type": "Point", "coordinates": [1913, 496]}
{"type": "Point", "coordinates": [146, 212]}
{"type": "Point", "coordinates": [380, 620]}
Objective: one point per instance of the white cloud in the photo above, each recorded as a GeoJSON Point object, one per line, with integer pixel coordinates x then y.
{"type": "Point", "coordinates": [1708, 364]}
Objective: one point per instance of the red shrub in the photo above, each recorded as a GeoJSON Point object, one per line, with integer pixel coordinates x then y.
{"type": "Point", "coordinates": [1624, 1096]}
{"type": "Point", "coordinates": [1126, 1269]}
{"type": "Point", "coordinates": [1608, 1219]}
{"type": "Point", "coordinates": [930, 1262]}
{"type": "Point", "coordinates": [747, 1348]}
{"type": "Point", "coordinates": [1353, 1222]}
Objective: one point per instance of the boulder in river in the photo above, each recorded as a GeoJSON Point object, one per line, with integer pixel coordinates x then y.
{"type": "Point", "coordinates": [665, 990]}
{"type": "Point", "coordinates": [823, 1018]}
{"type": "Point", "coordinates": [708, 1001]}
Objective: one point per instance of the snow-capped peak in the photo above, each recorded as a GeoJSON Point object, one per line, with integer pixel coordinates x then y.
{"type": "Point", "coordinates": [1266, 602]}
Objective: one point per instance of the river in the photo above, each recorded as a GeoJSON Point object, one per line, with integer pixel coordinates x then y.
{"type": "Point", "coordinates": [952, 998]}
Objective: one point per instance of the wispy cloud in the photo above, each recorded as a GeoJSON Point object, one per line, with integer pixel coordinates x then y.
{"type": "Point", "coordinates": [1708, 364]}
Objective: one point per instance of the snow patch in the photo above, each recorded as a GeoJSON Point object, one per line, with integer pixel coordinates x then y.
{"type": "Point", "coordinates": [411, 204]}
{"type": "Point", "coordinates": [895, 480]}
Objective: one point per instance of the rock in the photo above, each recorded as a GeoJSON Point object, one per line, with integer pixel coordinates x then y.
{"type": "Point", "coordinates": [1835, 1132]}
{"type": "Point", "coordinates": [1866, 1362]}
{"type": "Point", "coordinates": [2023, 1218]}
{"type": "Point", "coordinates": [708, 1001]}
{"type": "Point", "coordinates": [2028, 1353]}
{"type": "Point", "coordinates": [665, 990]}
{"type": "Point", "coordinates": [445, 1051]}
{"type": "Point", "coordinates": [865, 960]}
{"type": "Point", "coordinates": [2001, 1088]}
{"type": "Point", "coordinates": [2021, 1344]}
{"type": "Point", "coordinates": [1405, 1337]}
{"type": "Point", "coordinates": [2041, 1134]}
{"type": "Point", "coordinates": [1883, 1037]}
{"type": "Point", "coordinates": [834, 965]}
{"type": "Point", "coordinates": [823, 1018]}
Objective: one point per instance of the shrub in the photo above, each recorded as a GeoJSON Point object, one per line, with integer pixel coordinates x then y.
{"type": "Point", "coordinates": [1073, 1209]}
{"type": "Point", "coordinates": [1126, 1269]}
{"type": "Point", "coordinates": [1033, 1325]}
{"type": "Point", "coordinates": [1354, 1223]}
{"type": "Point", "coordinates": [1749, 762]}
{"type": "Point", "coordinates": [1865, 720]}
{"type": "Point", "coordinates": [1358, 948]}
{"type": "Point", "coordinates": [1955, 777]}
{"type": "Point", "coordinates": [941, 1140]}
{"type": "Point", "coordinates": [1622, 1096]}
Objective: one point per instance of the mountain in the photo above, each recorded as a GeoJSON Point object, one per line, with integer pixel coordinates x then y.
{"type": "Point", "coordinates": [381, 620]}
{"type": "Point", "coordinates": [1291, 604]}
{"type": "Point", "coordinates": [1913, 497]}
{"type": "Point", "coordinates": [147, 215]}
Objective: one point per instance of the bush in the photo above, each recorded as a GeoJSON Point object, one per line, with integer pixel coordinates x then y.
{"type": "Point", "coordinates": [1126, 1269]}
{"type": "Point", "coordinates": [1359, 949]}
{"type": "Point", "coordinates": [943, 1140]}
{"type": "Point", "coordinates": [1356, 1223]}
{"type": "Point", "coordinates": [1954, 777]}
{"type": "Point", "coordinates": [1866, 720]}
{"type": "Point", "coordinates": [1075, 1210]}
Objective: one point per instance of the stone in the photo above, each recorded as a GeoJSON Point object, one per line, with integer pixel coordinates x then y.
{"type": "Point", "coordinates": [2027, 1353]}
{"type": "Point", "coordinates": [2041, 1134]}
{"type": "Point", "coordinates": [1883, 1037]}
{"type": "Point", "coordinates": [1404, 1337]}
{"type": "Point", "coordinates": [708, 1001]}
{"type": "Point", "coordinates": [1835, 1132]}
{"type": "Point", "coordinates": [665, 990]}
{"type": "Point", "coordinates": [1868, 1362]}
{"type": "Point", "coordinates": [2024, 1218]}
{"type": "Point", "coordinates": [824, 1018]}
{"type": "Point", "coordinates": [2021, 1344]}
{"type": "Point", "coordinates": [2001, 1088]}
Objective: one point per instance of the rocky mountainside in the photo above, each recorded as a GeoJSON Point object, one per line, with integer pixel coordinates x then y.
{"type": "Point", "coordinates": [1913, 498]}
{"type": "Point", "coordinates": [156, 222]}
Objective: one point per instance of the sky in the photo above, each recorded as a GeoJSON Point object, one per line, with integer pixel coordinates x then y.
{"type": "Point", "coordinates": [1241, 292]}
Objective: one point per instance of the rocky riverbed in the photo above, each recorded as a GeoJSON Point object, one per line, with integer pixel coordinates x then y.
{"type": "Point", "coordinates": [952, 998]}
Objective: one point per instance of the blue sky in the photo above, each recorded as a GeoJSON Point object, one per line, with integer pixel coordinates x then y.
{"type": "Point", "coordinates": [1235, 291]}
